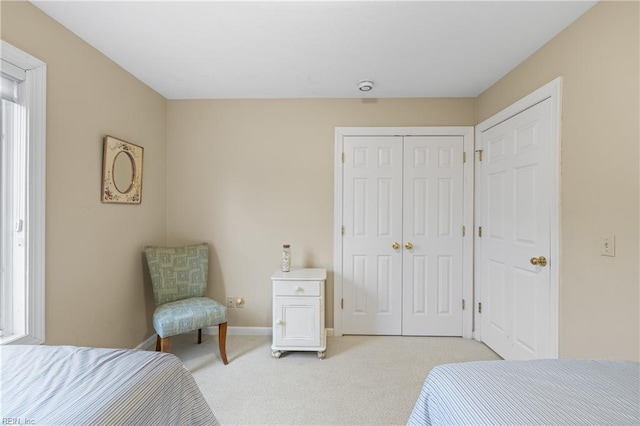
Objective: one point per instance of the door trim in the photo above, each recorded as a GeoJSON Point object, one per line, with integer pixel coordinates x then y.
{"type": "Point", "coordinates": [552, 91]}
{"type": "Point", "coordinates": [467, 132]}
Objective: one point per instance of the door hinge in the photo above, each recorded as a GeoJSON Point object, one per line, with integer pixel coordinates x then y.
{"type": "Point", "coordinates": [343, 158]}
{"type": "Point", "coordinates": [464, 157]}
{"type": "Point", "coordinates": [341, 303]}
{"type": "Point", "coordinates": [479, 308]}
{"type": "Point", "coordinates": [464, 230]}
{"type": "Point", "coordinates": [463, 304]}
{"type": "Point", "coordinates": [479, 151]}
{"type": "Point", "coordinates": [342, 230]}
{"type": "Point", "coordinates": [480, 231]}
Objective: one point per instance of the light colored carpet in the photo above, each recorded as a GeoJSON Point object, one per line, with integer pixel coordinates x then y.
{"type": "Point", "coordinates": [363, 380]}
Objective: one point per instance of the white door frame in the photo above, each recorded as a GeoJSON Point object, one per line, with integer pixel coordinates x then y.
{"type": "Point", "coordinates": [468, 172]}
{"type": "Point", "coordinates": [552, 91]}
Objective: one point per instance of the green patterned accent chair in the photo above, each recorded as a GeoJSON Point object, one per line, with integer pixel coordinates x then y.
{"type": "Point", "coordinates": [179, 278]}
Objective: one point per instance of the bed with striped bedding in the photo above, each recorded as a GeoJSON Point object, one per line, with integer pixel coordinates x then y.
{"type": "Point", "coordinates": [66, 385]}
{"type": "Point", "coordinates": [537, 392]}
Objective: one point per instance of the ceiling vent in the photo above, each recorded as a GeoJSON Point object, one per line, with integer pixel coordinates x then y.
{"type": "Point", "coordinates": [365, 85]}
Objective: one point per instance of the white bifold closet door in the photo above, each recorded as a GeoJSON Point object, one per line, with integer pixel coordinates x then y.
{"type": "Point", "coordinates": [402, 243]}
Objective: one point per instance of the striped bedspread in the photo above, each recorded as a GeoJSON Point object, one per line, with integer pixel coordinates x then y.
{"type": "Point", "coordinates": [539, 392]}
{"type": "Point", "coordinates": [65, 385]}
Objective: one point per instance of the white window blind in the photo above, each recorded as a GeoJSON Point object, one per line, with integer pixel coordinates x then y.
{"type": "Point", "coordinates": [11, 76]}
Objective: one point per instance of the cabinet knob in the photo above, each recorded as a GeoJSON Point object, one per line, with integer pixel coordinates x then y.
{"type": "Point", "coordinates": [279, 322]}
{"type": "Point", "coordinates": [298, 288]}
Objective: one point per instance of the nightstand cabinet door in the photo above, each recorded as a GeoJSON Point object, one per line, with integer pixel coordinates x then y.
{"type": "Point", "coordinates": [297, 321]}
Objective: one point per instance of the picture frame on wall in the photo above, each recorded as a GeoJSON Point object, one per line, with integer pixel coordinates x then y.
{"type": "Point", "coordinates": [121, 171]}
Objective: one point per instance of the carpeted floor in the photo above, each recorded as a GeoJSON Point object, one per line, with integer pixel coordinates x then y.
{"type": "Point", "coordinates": [363, 380]}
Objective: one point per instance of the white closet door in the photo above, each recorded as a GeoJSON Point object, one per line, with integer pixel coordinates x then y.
{"type": "Point", "coordinates": [432, 235]}
{"type": "Point", "coordinates": [372, 218]}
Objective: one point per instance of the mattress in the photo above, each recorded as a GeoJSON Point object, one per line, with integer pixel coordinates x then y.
{"type": "Point", "coordinates": [66, 385]}
{"type": "Point", "coordinates": [538, 392]}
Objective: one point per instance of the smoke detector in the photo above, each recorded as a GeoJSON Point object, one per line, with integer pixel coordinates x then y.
{"type": "Point", "coordinates": [365, 85]}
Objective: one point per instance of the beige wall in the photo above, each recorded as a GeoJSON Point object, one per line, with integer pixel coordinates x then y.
{"type": "Point", "coordinates": [249, 175]}
{"type": "Point", "coordinates": [94, 290]}
{"type": "Point", "coordinates": [598, 57]}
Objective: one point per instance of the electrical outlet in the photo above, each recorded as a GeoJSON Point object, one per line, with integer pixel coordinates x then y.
{"type": "Point", "coordinates": [608, 245]}
{"type": "Point", "coordinates": [239, 302]}
{"type": "Point", "coordinates": [231, 302]}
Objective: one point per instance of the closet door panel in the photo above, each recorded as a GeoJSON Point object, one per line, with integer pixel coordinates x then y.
{"type": "Point", "coordinates": [432, 235]}
{"type": "Point", "coordinates": [372, 218]}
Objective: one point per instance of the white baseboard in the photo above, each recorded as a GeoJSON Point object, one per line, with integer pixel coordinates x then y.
{"type": "Point", "coordinates": [231, 331]}
{"type": "Point", "coordinates": [151, 341]}
{"type": "Point", "coordinates": [241, 331]}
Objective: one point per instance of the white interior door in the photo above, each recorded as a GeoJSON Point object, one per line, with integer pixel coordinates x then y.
{"type": "Point", "coordinates": [402, 265]}
{"type": "Point", "coordinates": [515, 221]}
{"type": "Point", "coordinates": [372, 223]}
{"type": "Point", "coordinates": [432, 227]}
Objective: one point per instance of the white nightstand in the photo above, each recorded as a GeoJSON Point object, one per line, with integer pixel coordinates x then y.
{"type": "Point", "coordinates": [298, 311]}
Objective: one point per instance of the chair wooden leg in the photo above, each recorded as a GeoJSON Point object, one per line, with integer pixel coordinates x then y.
{"type": "Point", "coordinates": [157, 343]}
{"type": "Point", "coordinates": [222, 341]}
{"type": "Point", "coordinates": [199, 335]}
{"type": "Point", "coordinates": [164, 344]}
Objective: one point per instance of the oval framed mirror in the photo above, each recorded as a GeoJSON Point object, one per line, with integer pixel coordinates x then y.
{"type": "Point", "coordinates": [121, 172]}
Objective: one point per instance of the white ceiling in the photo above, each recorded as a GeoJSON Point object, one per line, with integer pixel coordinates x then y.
{"type": "Point", "coordinates": [316, 49]}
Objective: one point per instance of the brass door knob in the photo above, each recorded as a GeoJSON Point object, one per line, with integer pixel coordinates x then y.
{"type": "Point", "coordinates": [542, 261]}
{"type": "Point", "coordinates": [395, 245]}
{"type": "Point", "coordinates": [408, 246]}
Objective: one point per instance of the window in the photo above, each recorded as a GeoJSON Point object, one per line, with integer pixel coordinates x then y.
{"type": "Point", "coordinates": [22, 196]}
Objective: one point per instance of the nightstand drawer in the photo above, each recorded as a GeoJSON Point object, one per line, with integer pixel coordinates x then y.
{"type": "Point", "coordinates": [297, 288]}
